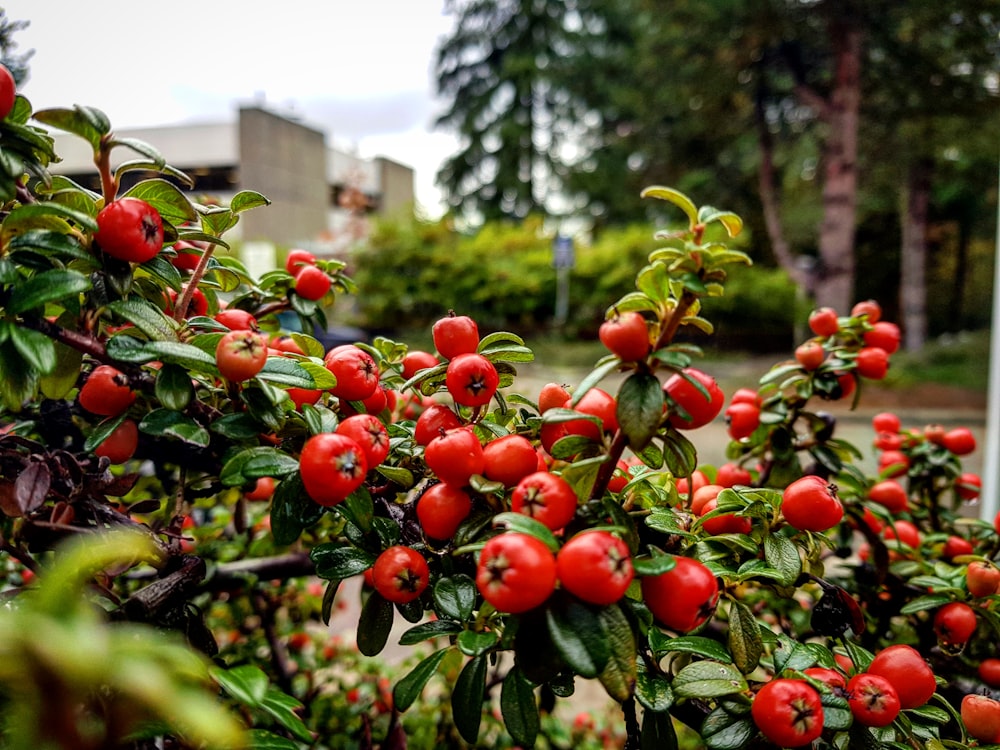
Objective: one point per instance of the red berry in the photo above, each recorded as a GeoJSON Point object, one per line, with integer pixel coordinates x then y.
{"type": "Point", "coordinates": [595, 566]}
{"type": "Point", "coordinates": [106, 392]}
{"type": "Point", "coordinates": [8, 92]}
{"type": "Point", "coordinates": [454, 335]}
{"type": "Point", "coordinates": [471, 379]}
{"type": "Point", "coordinates": [811, 504]}
{"type": "Point", "coordinates": [441, 510]}
{"type": "Point", "coordinates": [626, 335]}
{"type": "Point", "coordinates": [700, 403]}
{"type": "Point", "coordinates": [120, 445]}
{"type": "Point", "coordinates": [332, 467]}
{"type": "Point", "coordinates": [906, 670]}
{"type": "Point", "coordinates": [810, 355]}
{"type": "Point", "coordinates": [129, 229]}
{"type": "Point", "coordinates": [954, 623]}
{"type": "Point", "coordinates": [296, 260]}
{"type": "Point", "coordinates": [981, 717]}
{"type": "Point", "coordinates": [788, 712]}
{"type": "Point", "coordinates": [868, 307]}
{"type": "Point", "coordinates": [883, 335]}
{"type": "Point", "coordinates": [240, 355]}
{"type": "Point", "coordinates": [872, 363]}
{"type": "Point", "coordinates": [873, 700]}
{"type": "Point", "coordinates": [311, 283]}
{"type": "Point", "coordinates": [960, 441]}
{"type": "Point", "coordinates": [417, 360]}
{"type": "Point", "coordinates": [356, 372]}
{"type": "Point", "coordinates": [400, 574]}
{"type": "Point", "coordinates": [516, 572]}
{"type": "Point", "coordinates": [823, 321]}
{"type": "Point", "coordinates": [684, 597]}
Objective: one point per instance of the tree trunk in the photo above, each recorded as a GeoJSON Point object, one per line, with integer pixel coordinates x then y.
{"type": "Point", "coordinates": [836, 240]}
{"type": "Point", "coordinates": [913, 264]}
{"type": "Point", "coordinates": [771, 205]}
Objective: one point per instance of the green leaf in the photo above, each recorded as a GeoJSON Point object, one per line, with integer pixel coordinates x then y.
{"type": "Point", "coordinates": [321, 377]}
{"type": "Point", "coordinates": [292, 510]}
{"type": "Point", "coordinates": [745, 641]}
{"type": "Point", "coordinates": [657, 732]}
{"type": "Point", "coordinates": [282, 708]}
{"type": "Point", "coordinates": [619, 676]}
{"type": "Point", "coordinates": [525, 524]}
{"type": "Point", "coordinates": [689, 644]}
{"type": "Point", "coordinates": [781, 553]}
{"type": "Point", "coordinates": [796, 656]}
{"type": "Point", "coordinates": [173, 387]}
{"type": "Point", "coordinates": [922, 603]}
{"type": "Point", "coordinates": [723, 730]}
{"type": "Point", "coordinates": [578, 635]}
{"type": "Point", "coordinates": [708, 679]}
{"type": "Point", "coordinates": [455, 596]}
{"type": "Point", "coordinates": [679, 454]}
{"type": "Point", "coordinates": [256, 462]}
{"type": "Point", "coordinates": [335, 561]}
{"type": "Point", "coordinates": [50, 243]}
{"type": "Point", "coordinates": [836, 712]}
{"type": "Point", "coordinates": [87, 122]}
{"type": "Point", "coordinates": [171, 203]}
{"type": "Point", "coordinates": [467, 698]}
{"type": "Point", "coordinates": [246, 200]}
{"type": "Point", "coordinates": [596, 376]}
{"type": "Point", "coordinates": [374, 624]}
{"type": "Point", "coordinates": [428, 630]}
{"type": "Point", "coordinates": [58, 383]}
{"type": "Point", "coordinates": [261, 739]}
{"type": "Point", "coordinates": [653, 691]}
{"type": "Point", "coordinates": [128, 349]}
{"type": "Point", "coordinates": [142, 148]}
{"type": "Point", "coordinates": [237, 426]}
{"type": "Point", "coordinates": [287, 372]}
{"type": "Point", "coordinates": [47, 215]}
{"type": "Point", "coordinates": [654, 281]}
{"type": "Point", "coordinates": [18, 380]}
{"type": "Point", "coordinates": [359, 509]}
{"type": "Point", "coordinates": [732, 222]}
{"type": "Point", "coordinates": [101, 432]}
{"type": "Point", "coordinates": [473, 643]}
{"type": "Point", "coordinates": [50, 286]}
{"type": "Point", "coordinates": [519, 708]}
{"type": "Point", "coordinates": [656, 565]}
{"type": "Point", "coordinates": [248, 684]}
{"type": "Point", "coordinates": [640, 408]}
{"type": "Point", "coordinates": [147, 317]}
{"type": "Point", "coordinates": [408, 689]}
{"type": "Point", "coordinates": [38, 350]}
{"type": "Point", "coordinates": [161, 267]}
{"type": "Point", "coordinates": [676, 197]}
{"type": "Point", "coordinates": [174, 424]}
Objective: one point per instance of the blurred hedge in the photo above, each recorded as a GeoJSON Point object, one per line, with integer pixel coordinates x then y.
{"type": "Point", "coordinates": [413, 272]}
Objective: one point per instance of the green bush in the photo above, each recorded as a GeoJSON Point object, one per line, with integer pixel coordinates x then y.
{"type": "Point", "coordinates": [502, 276]}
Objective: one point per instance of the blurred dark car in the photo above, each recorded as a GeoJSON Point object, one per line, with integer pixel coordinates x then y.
{"type": "Point", "coordinates": [329, 338]}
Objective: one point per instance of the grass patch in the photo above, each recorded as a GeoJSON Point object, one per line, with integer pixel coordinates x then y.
{"type": "Point", "coordinates": [961, 360]}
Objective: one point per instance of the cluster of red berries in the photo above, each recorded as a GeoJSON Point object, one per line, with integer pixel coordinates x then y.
{"type": "Point", "coordinates": [879, 339]}
{"type": "Point", "coordinates": [789, 710]}
{"type": "Point", "coordinates": [311, 282]}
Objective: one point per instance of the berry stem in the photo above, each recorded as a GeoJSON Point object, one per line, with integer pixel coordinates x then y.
{"type": "Point", "coordinates": [180, 312]}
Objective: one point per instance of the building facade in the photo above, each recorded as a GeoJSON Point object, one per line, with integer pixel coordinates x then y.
{"type": "Point", "coordinates": [319, 194]}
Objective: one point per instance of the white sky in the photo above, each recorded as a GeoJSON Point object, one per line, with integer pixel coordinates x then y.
{"type": "Point", "coordinates": [360, 70]}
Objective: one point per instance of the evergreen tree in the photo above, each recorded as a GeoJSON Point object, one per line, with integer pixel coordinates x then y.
{"type": "Point", "coordinates": [508, 73]}
{"type": "Point", "coordinates": [17, 64]}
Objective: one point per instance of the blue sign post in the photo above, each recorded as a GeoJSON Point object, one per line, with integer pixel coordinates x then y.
{"type": "Point", "coordinates": [563, 259]}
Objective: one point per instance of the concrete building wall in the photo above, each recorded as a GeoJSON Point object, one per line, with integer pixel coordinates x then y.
{"type": "Point", "coordinates": [395, 186]}
{"type": "Point", "coordinates": [286, 161]}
